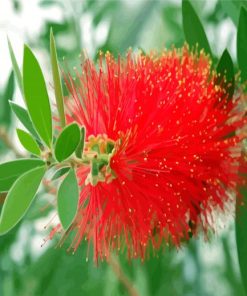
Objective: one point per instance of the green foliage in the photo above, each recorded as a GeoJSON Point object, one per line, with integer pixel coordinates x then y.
{"type": "Point", "coordinates": [229, 272]}
{"type": "Point", "coordinates": [48, 2]}
{"type": "Point", "coordinates": [16, 68]}
{"type": "Point", "coordinates": [241, 43]}
{"type": "Point", "coordinates": [193, 29]}
{"type": "Point", "coordinates": [57, 81]}
{"type": "Point", "coordinates": [241, 214]}
{"type": "Point", "coordinates": [36, 96]}
{"type": "Point", "coordinates": [67, 199]}
{"type": "Point", "coordinates": [10, 171]}
{"type": "Point", "coordinates": [28, 142]}
{"type": "Point", "coordinates": [24, 118]}
{"type": "Point", "coordinates": [19, 198]}
{"type": "Point", "coordinates": [67, 27]}
{"type": "Point", "coordinates": [124, 34]}
{"type": "Point", "coordinates": [171, 18]}
{"type": "Point", "coordinates": [59, 173]}
{"type": "Point", "coordinates": [80, 147]}
{"type": "Point", "coordinates": [225, 70]}
{"type": "Point", "coordinates": [61, 273]}
{"type": "Point", "coordinates": [67, 142]}
{"type": "Point", "coordinates": [241, 237]}
{"type": "Point", "coordinates": [232, 8]}
{"type": "Point", "coordinates": [5, 112]}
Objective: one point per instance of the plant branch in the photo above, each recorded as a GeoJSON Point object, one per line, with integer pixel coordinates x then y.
{"type": "Point", "coordinates": [4, 137]}
{"type": "Point", "coordinates": [122, 277]}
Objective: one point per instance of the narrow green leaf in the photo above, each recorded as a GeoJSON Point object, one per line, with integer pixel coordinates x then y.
{"type": "Point", "coordinates": [19, 198]}
{"type": "Point", "coordinates": [67, 199]}
{"type": "Point", "coordinates": [193, 29]}
{"type": "Point", "coordinates": [60, 173]}
{"type": "Point", "coordinates": [241, 237]}
{"type": "Point", "coordinates": [10, 171]}
{"type": "Point", "coordinates": [24, 118]}
{"type": "Point", "coordinates": [67, 142]}
{"type": "Point", "coordinates": [225, 69]}
{"type": "Point", "coordinates": [57, 80]}
{"type": "Point", "coordinates": [16, 67]}
{"type": "Point", "coordinates": [36, 95]}
{"type": "Point", "coordinates": [5, 112]}
{"type": "Point", "coordinates": [242, 43]}
{"type": "Point", "coordinates": [28, 142]}
{"type": "Point", "coordinates": [80, 147]}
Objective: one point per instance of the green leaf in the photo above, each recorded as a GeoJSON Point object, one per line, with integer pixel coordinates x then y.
{"type": "Point", "coordinates": [225, 69]}
{"type": "Point", "coordinates": [80, 147]}
{"type": "Point", "coordinates": [5, 112]}
{"type": "Point", "coordinates": [193, 29]}
{"type": "Point", "coordinates": [60, 173]}
{"type": "Point", "coordinates": [67, 141]}
{"type": "Point", "coordinates": [36, 95]}
{"type": "Point", "coordinates": [24, 118]}
{"type": "Point", "coordinates": [57, 80]}
{"type": "Point", "coordinates": [67, 199]}
{"type": "Point", "coordinates": [10, 171]}
{"type": "Point", "coordinates": [19, 198]}
{"type": "Point", "coordinates": [16, 68]}
{"type": "Point", "coordinates": [241, 237]}
{"type": "Point", "coordinates": [28, 142]}
{"type": "Point", "coordinates": [242, 43]}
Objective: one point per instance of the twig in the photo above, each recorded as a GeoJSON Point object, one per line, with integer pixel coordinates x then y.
{"type": "Point", "coordinates": [6, 140]}
{"type": "Point", "coordinates": [122, 277]}
{"type": "Point", "coordinates": [2, 197]}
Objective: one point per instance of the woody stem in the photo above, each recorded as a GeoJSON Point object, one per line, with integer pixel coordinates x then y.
{"type": "Point", "coordinates": [4, 137]}
{"type": "Point", "coordinates": [116, 267]}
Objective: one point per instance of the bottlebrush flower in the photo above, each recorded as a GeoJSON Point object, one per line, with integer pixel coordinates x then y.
{"type": "Point", "coordinates": [165, 151]}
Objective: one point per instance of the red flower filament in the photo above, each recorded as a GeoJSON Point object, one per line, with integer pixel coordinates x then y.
{"type": "Point", "coordinates": [162, 147]}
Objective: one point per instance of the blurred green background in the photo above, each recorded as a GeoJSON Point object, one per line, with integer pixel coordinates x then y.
{"type": "Point", "coordinates": [26, 268]}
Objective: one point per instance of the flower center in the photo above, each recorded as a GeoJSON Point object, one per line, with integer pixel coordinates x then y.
{"type": "Point", "coordinates": [99, 150]}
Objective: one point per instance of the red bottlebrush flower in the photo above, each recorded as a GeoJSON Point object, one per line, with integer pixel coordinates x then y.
{"type": "Point", "coordinates": [162, 147]}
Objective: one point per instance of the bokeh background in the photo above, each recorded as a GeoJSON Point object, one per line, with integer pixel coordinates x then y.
{"type": "Point", "coordinates": [28, 266]}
